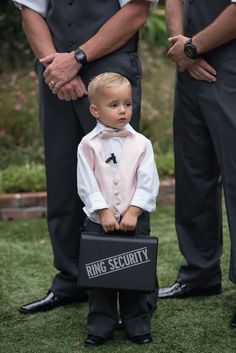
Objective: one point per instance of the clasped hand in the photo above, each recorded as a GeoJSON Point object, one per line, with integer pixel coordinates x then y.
{"type": "Point", "coordinates": [199, 68]}
{"type": "Point", "coordinates": [61, 76]}
{"type": "Point", "coordinates": [127, 223]}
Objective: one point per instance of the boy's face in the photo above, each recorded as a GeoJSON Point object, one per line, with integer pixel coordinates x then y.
{"type": "Point", "coordinates": [113, 106]}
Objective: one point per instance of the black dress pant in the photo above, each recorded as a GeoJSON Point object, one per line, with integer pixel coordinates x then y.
{"type": "Point", "coordinates": [135, 307]}
{"type": "Point", "coordinates": [64, 124]}
{"type": "Point", "coordinates": [205, 159]}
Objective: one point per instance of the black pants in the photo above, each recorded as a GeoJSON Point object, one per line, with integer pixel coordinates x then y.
{"type": "Point", "coordinates": [135, 307]}
{"type": "Point", "coordinates": [64, 124]}
{"type": "Point", "coordinates": [205, 159]}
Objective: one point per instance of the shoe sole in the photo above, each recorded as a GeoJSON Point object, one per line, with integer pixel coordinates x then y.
{"type": "Point", "coordinates": [196, 293]}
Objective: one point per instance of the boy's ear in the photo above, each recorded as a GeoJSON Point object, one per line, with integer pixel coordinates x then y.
{"type": "Point", "coordinates": [94, 110]}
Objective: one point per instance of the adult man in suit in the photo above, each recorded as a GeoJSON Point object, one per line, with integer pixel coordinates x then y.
{"type": "Point", "coordinates": [75, 40]}
{"type": "Point", "coordinates": [203, 46]}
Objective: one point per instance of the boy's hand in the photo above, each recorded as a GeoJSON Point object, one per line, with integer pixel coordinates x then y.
{"type": "Point", "coordinates": [130, 218]}
{"type": "Point", "coordinates": [108, 221]}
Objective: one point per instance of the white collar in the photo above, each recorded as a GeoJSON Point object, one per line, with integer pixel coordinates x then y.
{"type": "Point", "coordinates": [99, 127]}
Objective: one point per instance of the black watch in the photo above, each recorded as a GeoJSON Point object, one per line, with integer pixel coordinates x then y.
{"type": "Point", "coordinates": [80, 56]}
{"type": "Point", "coordinates": [190, 49]}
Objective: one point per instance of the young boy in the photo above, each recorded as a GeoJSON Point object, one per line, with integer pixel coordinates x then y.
{"type": "Point", "coordinates": [117, 181]}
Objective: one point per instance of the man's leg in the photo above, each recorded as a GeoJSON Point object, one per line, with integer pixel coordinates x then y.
{"type": "Point", "coordinates": [62, 134]}
{"type": "Point", "coordinates": [222, 124]}
{"type": "Point", "coordinates": [198, 198]}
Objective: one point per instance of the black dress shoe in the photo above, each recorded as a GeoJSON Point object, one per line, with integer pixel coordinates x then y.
{"type": "Point", "coordinates": [92, 341]}
{"type": "Point", "coordinates": [232, 323]}
{"type": "Point", "coordinates": [142, 339]}
{"type": "Point", "coordinates": [51, 301]}
{"type": "Point", "coordinates": [181, 290]}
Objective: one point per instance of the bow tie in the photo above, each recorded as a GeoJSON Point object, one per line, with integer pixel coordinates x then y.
{"type": "Point", "coordinates": [105, 134]}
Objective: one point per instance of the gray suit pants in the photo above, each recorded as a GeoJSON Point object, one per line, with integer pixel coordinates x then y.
{"type": "Point", "coordinates": [205, 159]}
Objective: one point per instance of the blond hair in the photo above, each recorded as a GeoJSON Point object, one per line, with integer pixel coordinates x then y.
{"type": "Point", "coordinates": [104, 80]}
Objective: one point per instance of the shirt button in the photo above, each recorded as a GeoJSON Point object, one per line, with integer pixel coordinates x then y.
{"type": "Point", "coordinates": [69, 24]}
{"type": "Point", "coordinates": [116, 181]}
{"type": "Point", "coordinates": [116, 193]}
{"type": "Point", "coordinates": [117, 202]}
{"type": "Point", "coordinates": [70, 3]}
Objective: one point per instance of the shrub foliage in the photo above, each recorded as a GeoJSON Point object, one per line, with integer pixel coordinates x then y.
{"type": "Point", "coordinates": [15, 51]}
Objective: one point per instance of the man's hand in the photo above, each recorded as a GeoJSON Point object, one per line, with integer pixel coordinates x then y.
{"type": "Point", "coordinates": [202, 71]}
{"type": "Point", "coordinates": [176, 52]}
{"type": "Point", "coordinates": [130, 218]}
{"type": "Point", "coordinates": [61, 68]}
{"type": "Point", "coordinates": [108, 221]}
{"type": "Point", "coordinates": [72, 90]}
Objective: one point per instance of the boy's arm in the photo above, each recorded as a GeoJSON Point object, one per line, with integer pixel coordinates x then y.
{"type": "Point", "coordinates": [145, 195]}
{"type": "Point", "coordinates": [90, 194]}
{"type": "Point", "coordinates": [108, 221]}
{"type": "Point", "coordinates": [87, 185]}
{"type": "Point", "coordinates": [130, 218]}
{"type": "Point", "coordinates": [146, 192]}
{"type": "Point", "coordinates": [147, 182]}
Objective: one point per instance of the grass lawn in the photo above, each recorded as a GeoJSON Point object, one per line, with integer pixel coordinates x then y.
{"type": "Point", "coordinates": [178, 326]}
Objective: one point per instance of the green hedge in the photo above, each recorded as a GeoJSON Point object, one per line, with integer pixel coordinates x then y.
{"type": "Point", "coordinates": [25, 178]}
{"type": "Point", "coordinates": [31, 177]}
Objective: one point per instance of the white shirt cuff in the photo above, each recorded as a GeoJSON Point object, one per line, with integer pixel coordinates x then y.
{"type": "Point", "coordinates": [95, 202]}
{"type": "Point", "coordinates": [144, 200]}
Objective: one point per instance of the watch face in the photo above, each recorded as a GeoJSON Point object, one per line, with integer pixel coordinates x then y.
{"type": "Point", "coordinates": [80, 56]}
{"type": "Point", "coordinates": [190, 50]}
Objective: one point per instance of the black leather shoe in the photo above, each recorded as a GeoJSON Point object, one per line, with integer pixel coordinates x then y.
{"type": "Point", "coordinates": [232, 323]}
{"type": "Point", "coordinates": [181, 290]}
{"type": "Point", "coordinates": [93, 341]}
{"type": "Point", "coordinates": [51, 301]}
{"type": "Point", "coordinates": [142, 339]}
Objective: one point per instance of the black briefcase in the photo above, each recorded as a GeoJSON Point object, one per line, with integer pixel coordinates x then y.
{"type": "Point", "coordinates": [117, 262]}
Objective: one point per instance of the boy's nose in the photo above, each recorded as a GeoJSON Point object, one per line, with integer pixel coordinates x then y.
{"type": "Point", "coordinates": [122, 109]}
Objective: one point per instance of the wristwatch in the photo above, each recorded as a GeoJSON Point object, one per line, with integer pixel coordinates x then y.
{"type": "Point", "coordinates": [80, 56]}
{"type": "Point", "coordinates": [190, 49]}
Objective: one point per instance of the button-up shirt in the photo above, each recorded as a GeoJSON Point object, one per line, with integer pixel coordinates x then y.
{"type": "Point", "coordinates": [42, 5]}
{"type": "Point", "coordinates": [147, 186]}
